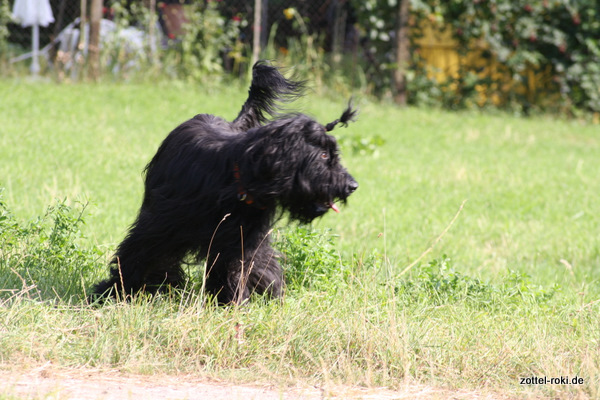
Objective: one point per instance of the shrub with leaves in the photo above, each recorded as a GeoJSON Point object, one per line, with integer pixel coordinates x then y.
{"type": "Point", "coordinates": [560, 35]}
{"type": "Point", "coordinates": [44, 258]}
{"type": "Point", "coordinates": [377, 21]}
{"type": "Point", "coordinates": [558, 39]}
{"type": "Point", "coordinates": [207, 38]}
{"type": "Point", "coordinates": [439, 282]}
{"type": "Point", "coordinates": [310, 259]}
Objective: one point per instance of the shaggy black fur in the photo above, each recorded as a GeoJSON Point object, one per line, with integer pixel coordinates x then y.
{"type": "Point", "coordinates": [214, 189]}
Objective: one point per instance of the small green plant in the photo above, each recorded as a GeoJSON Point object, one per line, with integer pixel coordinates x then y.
{"type": "Point", "coordinates": [310, 259]}
{"type": "Point", "coordinates": [44, 257]}
{"type": "Point", "coordinates": [440, 283]}
{"type": "Point", "coordinates": [519, 285]}
{"type": "Point", "coordinates": [362, 146]}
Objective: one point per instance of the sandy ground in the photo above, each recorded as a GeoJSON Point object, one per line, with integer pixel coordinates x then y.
{"type": "Point", "coordinates": [48, 383]}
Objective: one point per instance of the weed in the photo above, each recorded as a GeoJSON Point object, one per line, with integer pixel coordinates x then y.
{"type": "Point", "coordinates": [310, 259]}
{"type": "Point", "coordinates": [44, 257]}
{"type": "Point", "coordinates": [439, 283]}
{"type": "Point", "coordinates": [362, 146]}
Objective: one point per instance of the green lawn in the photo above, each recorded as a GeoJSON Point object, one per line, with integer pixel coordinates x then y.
{"type": "Point", "coordinates": [478, 312]}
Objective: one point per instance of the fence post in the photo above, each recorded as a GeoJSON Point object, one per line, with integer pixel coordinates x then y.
{"type": "Point", "coordinates": [256, 30]}
{"type": "Point", "coordinates": [94, 48]}
{"type": "Point", "coordinates": [82, 21]}
{"type": "Point", "coordinates": [402, 52]}
{"type": "Point", "coordinates": [152, 31]}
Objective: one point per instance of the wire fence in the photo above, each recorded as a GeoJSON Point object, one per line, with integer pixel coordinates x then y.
{"type": "Point", "coordinates": [362, 45]}
{"type": "Point", "coordinates": [331, 20]}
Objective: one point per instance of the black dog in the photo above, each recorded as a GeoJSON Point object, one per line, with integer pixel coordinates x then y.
{"type": "Point", "coordinates": [214, 189]}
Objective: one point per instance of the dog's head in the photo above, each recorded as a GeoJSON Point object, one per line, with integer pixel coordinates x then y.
{"type": "Point", "coordinates": [295, 164]}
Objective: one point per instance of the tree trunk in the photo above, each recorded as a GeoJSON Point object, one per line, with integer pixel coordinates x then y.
{"type": "Point", "coordinates": [256, 30]}
{"type": "Point", "coordinates": [82, 22]}
{"type": "Point", "coordinates": [94, 49]}
{"type": "Point", "coordinates": [402, 52]}
{"type": "Point", "coordinates": [152, 31]}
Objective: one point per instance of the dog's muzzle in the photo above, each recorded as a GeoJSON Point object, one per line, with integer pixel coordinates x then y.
{"type": "Point", "coordinates": [351, 187]}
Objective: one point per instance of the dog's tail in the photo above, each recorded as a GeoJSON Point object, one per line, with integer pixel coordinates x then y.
{"type": "Point", "coordinates": [349, 115]}
{"type": "Point", "coordinates": [269, 88]}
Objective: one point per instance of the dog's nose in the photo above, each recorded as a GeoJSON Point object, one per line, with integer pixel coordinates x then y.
{"type": "Point", "coordinates": [352, 186]}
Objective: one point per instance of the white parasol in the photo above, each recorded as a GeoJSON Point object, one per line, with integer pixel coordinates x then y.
{"type": "Point", "coordinates": [33, 13]}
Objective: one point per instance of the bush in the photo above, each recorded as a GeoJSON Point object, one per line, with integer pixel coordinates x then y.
{"type": "Point", "coordinates": [310, 260]}
{"type": "Point", "coordinates": [439, 283]}
{"type": "Point", "coordinates": [377, 20]}
{"type": "Point", "coordinates": [44, 257]}
{"type": "Point", "coordinates": [559, 39]}
{"type": "Point", "coordinates": [209, 38]}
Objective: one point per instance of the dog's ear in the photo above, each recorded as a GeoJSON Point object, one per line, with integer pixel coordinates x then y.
{"type": "Point", "coordinates": [257, 152]}
{"type": "Point", "coordinates": [267, 151]}
{"type": "Point", "coordinates": [349, 115]}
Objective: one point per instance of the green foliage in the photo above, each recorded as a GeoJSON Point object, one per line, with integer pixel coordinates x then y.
{"type": "Point", "coordinates": [440, 283]}
{"type": "Point", "coordinates": [453, 94]}
{"type": "Point", "coordinates": [377, 20]}
{"type": "Point", "coordinates": [312, 263]}
{"type": "Point", "coordinates": [4, 20]}
{"type": "Point", "coordinates": [361, 145]}
{"type": "Point", "coordinates": [207, 38]}
{"type": "Point", "coordinates": [310, 259]}
{"type": "Point", "coordinates": [44, 256]}
{"type": "Point", "coordinates": [117, 55]}
{"type": "Point", "coordinates": [562, 35]}
{"type": "Point", "coordinates": [303, 51]}
{"type": "Point", "coordinates": [196, 55]}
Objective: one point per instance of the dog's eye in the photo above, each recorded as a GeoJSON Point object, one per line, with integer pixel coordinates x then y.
{"type": "Point", "coordinates": [324, 155]}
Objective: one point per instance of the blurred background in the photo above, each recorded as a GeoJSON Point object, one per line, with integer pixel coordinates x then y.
{"type": "Point", "coordinates": [523, 55]}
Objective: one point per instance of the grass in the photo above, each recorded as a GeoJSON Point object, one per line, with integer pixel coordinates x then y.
{"type": "Point", "coordinates": [511, 290]}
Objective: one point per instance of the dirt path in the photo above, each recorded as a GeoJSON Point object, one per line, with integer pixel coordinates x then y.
{"type": "Point", "coordinates": [50, 383]}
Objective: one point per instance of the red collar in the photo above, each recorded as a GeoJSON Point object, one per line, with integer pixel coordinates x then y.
{"type": "Point", "coordinates": [243, 195]}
